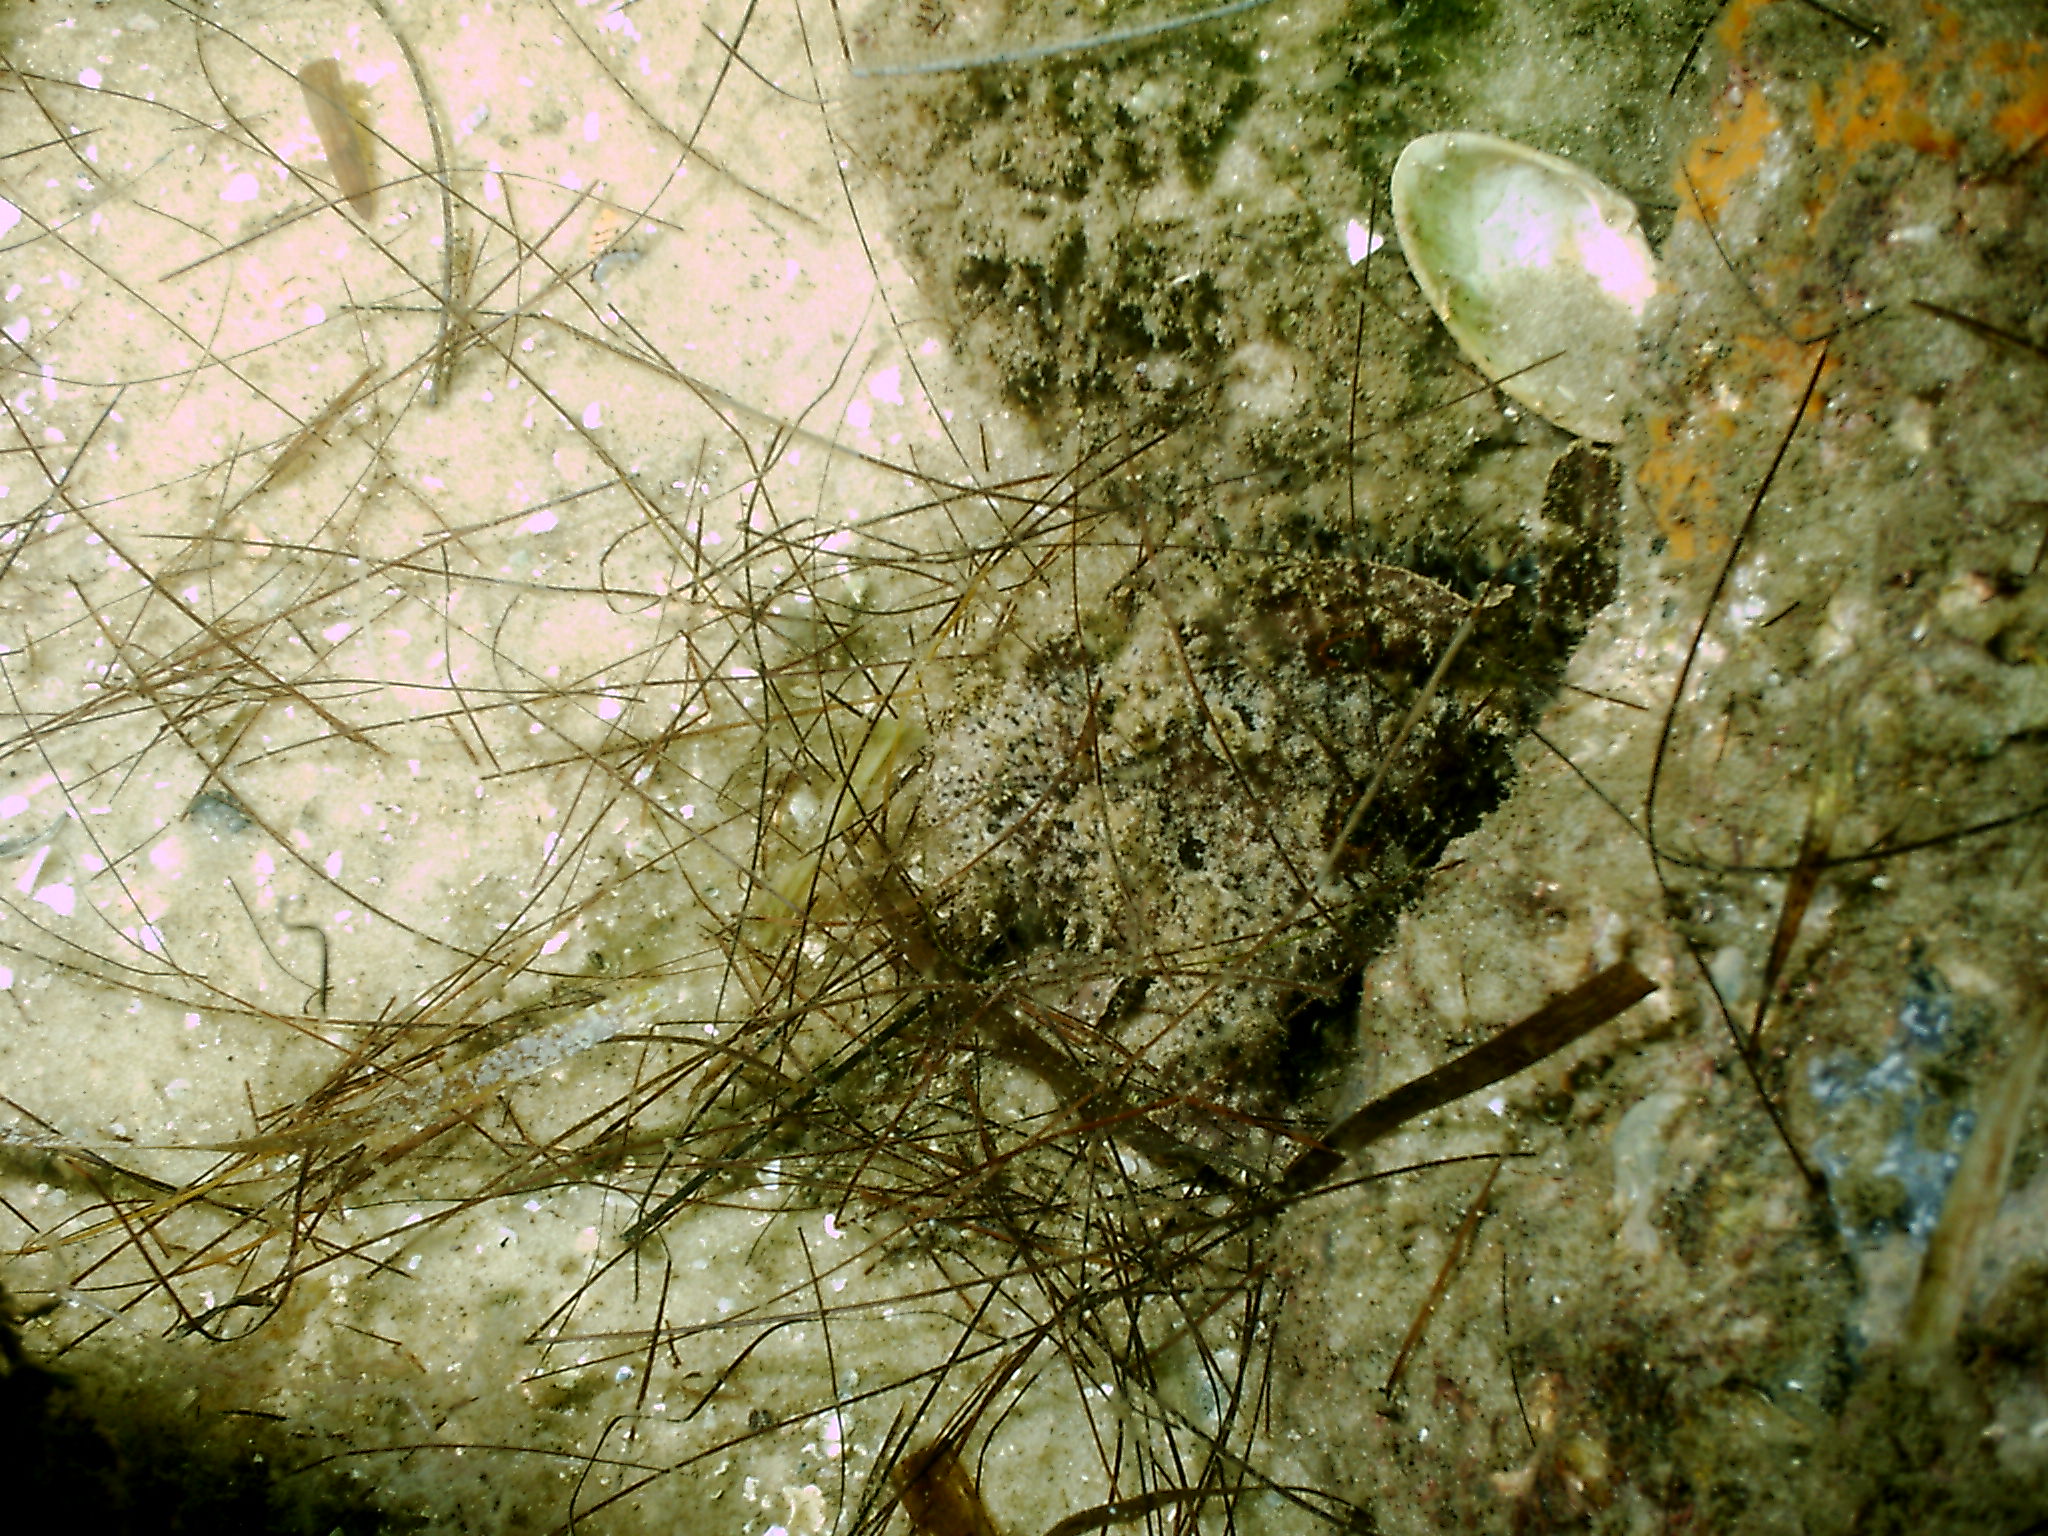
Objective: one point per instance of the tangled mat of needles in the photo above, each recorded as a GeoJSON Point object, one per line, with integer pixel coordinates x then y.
{"type": "Point", "coordinates": [614, 921]}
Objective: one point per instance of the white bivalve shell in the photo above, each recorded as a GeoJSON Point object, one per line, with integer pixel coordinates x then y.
{"type": "Point", "coordinates": [1538, 270]}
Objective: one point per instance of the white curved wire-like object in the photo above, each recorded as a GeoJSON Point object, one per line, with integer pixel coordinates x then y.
{"type": "Point", "coordinates": [1033, 52]}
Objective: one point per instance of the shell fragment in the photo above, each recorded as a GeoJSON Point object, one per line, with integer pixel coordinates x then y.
{"type": "Point", "coordinates": [1539, 271]}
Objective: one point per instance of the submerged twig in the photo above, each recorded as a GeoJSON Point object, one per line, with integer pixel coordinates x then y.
{"type": "Point", "coordinates": [1460, 1241]}
{"type": "Point", "coordinates": [1800, 886]}
{"type": "Point", "coordinates": [1956, 1250]}
{"type": "Point", "coordinates": [1545, 1032]}
{"type": "Point", "coordinates": [1984, 329]}
{"type": "Point", "coordinates": [1661, 752]}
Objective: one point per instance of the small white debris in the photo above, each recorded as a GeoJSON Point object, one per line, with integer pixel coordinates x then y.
{"type": "Point", "coordinates": [1360, 241]}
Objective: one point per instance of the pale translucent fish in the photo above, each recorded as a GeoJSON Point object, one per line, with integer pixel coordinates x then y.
{"type": "Point", "coordinates": [330, 104]}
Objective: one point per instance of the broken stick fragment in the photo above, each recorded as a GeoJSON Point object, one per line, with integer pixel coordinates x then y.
{"type": "Point", "coordinates": [1546, 1031]}
{"type": "Point", "coordinates": [1955, 1250]}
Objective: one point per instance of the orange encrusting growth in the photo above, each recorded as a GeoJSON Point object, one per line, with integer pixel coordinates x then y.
{"type": "Point", "coordinates": [1687, 473]}
{"type": "Point", "coordinates": [1872, 105]}
{"type": "Point", "coordinates": [1735, 20]}
{"type": "Point", "coordinates": [1929, 92]}
{"type": "Point", "coordinates": [1720, 160]}
{"type": "Point", "coordinates": [2023, 121]}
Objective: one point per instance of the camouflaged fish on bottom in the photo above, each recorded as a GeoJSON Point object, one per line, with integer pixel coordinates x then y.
{"type": "Point", "coordinates": [1143, 836]}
